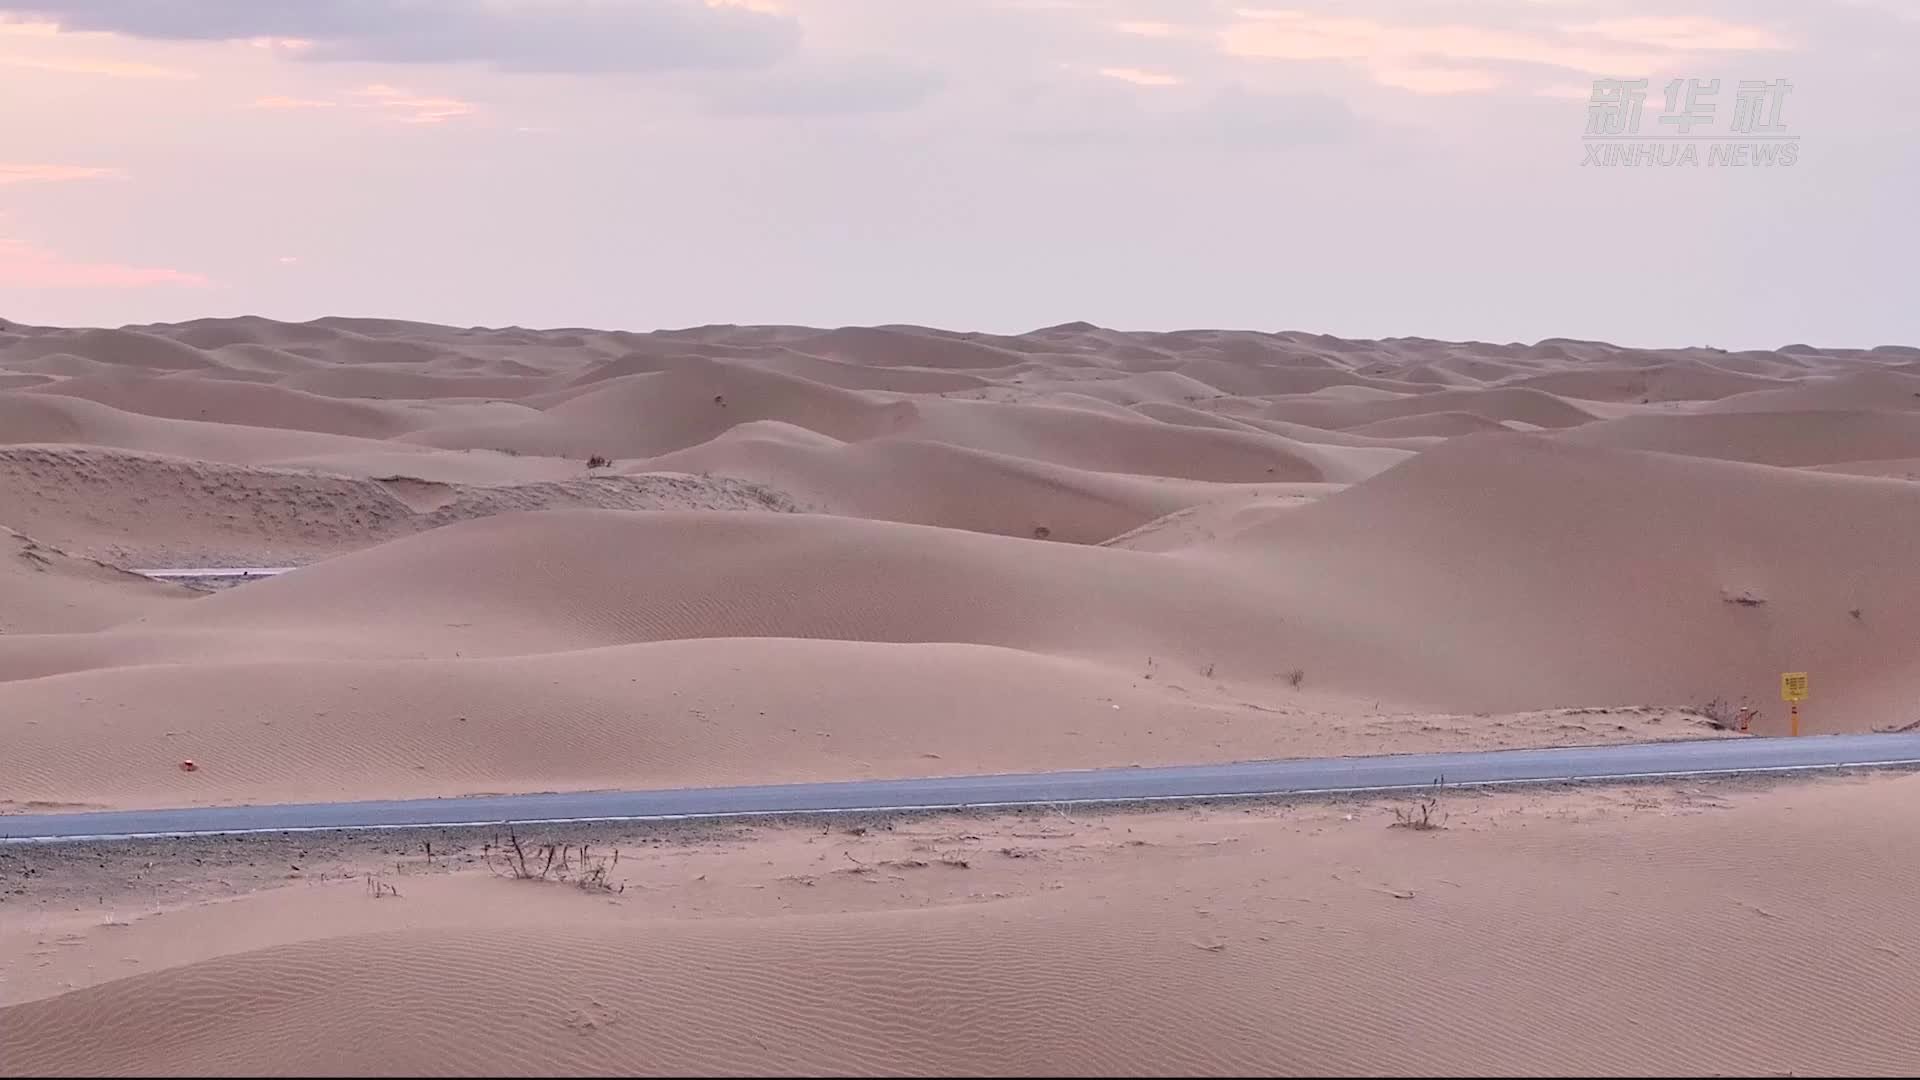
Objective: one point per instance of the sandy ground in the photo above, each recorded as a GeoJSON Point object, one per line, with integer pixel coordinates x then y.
{"type": "Point", "coordinates": [542, 560]}
{"type": "Point", "coordinates": [1726, 927]}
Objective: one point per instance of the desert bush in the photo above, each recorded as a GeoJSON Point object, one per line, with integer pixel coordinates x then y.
{"type": "Point", "coordinates": [1419, 815]}
{"type": "Point", "coordinates": [553, 862]}
{"type": "Point", "coordinates": [1720, 714]}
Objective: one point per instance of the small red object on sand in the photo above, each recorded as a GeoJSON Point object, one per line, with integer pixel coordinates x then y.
{"type": "Point", "coordinates": [188, 765]}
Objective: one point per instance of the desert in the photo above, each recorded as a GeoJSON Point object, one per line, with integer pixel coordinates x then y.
{"type": "Point", "coordinates": [502, 561]}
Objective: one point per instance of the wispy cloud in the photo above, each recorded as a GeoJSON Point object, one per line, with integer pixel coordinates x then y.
{"type": "Point", "coordinates": [1438, 80]}
{"type": "Point", "coordinates": [1690, 33]}
{"type": "Point", "coordinates": [396, 102]}
{"type": "Point", "coordinates": [413, 108]}
{"type": "Point", "coordinates": [26, 266]}
{"type": "Point", "coordinates": [1145, 28]}
{"type": "Point", "coordinates": [555, 35]}
{"type": "Point", "coordinates": [1453, 58]}
{"type": "Point", "coordinates": [93, 65]}
{"type": "Point", "coordinates": [52, 174]}
{"type": "Point", "coordinates": [277, 102]}
{"type": "Point", "coordinates": [1141, 77]}
{"type": "Point", "coordinates": [1300, 35]}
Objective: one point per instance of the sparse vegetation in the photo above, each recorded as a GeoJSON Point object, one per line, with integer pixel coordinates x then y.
{"type": "Point", "coordinates": [1041, 532]}
{"type": "Point", "coordinates": [1722, 715]}
{"type": "Point", "coordinates": [379, 888]}
{"type": "Point", "coordinates": [1855, 612]}
{"type": "Point", "coordinates": [1296, 677]}
{"type": "Point", "coordinates": [1419, 814]}
{"type": "Point", "coordinates": [553, 862]}
{"type": "Point", "coordinates": [599, 462]}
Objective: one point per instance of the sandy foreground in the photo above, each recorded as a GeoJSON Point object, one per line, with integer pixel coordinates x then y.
{"type": "Point", "coordinates": [1747, 928]}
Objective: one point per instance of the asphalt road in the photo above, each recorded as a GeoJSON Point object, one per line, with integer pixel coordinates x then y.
{"type": "Point", "coordinates": [216, 572]}
{"type": "Point", "coordinates": [1299, 776]}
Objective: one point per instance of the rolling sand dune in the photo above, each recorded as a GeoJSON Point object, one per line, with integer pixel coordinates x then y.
{"type": "Point", "coordinates": [149, 511]}
{"type": "Point", "coordinates": [1498, 569]}
{"type": "Point", "coordinates": [936, 483]}
{"type": "Point", "coordinates": [1254, 544]}
{"type": "Point", "coordinates": [43, 590]}
{"type": "Point", "coordinates": [1767, 438]}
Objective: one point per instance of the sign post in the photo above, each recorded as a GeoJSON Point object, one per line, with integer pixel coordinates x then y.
{"type": "Point", "coordinates": [1793, 690]}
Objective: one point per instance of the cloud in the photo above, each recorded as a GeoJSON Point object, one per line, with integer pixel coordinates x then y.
{"type": "Point", "coordinates": [554, 35]}
{"type": "Point", "coordinates": [51, 174]}
{"type": "Point", "coordinates": [400, 103]}
{"type": "Point", "coordinates": [1138, 77]}
{"type": "Point", "coordinates": [1454, 58]}
{"type": "Point", "coordinates": [25, 266]}
{"type": "Point", "coordinates": [1234, 118]}
{"type": "Point", "coordinates": [1146, 28]}
{"type": "Point", "coordinates": [414, 108]}
{"type": "Point", "coordinates": [88, 65]}
{"type": "Point", "coordinates": [817, 87]}
{"type": "Point", "coordinates": [277, 102]}
{"type": "Point", "coordinates": [1685, 32]}
{"type": "Point", "coordinates": [1438, 80]}
{"type": "Point", "coordinates": [1300, 35]}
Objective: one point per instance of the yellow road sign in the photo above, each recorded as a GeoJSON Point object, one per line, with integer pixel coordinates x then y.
{"type": "Point", "coordinates": [1793, 686]}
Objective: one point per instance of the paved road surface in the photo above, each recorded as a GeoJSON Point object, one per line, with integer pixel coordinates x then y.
{"type": "Point", "coordinates": [1301, 776]}
{"type": "Point", "coordinates": [216, 572]}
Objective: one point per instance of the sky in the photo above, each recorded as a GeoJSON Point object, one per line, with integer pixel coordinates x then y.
{"type": "Point", "coordinates": [1366, 168]}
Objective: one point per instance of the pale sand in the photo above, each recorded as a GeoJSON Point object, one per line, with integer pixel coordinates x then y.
{"type": "Point", "coordinates": [1703, 929]}
{"type": "Point", "coordinates": [894, 551]}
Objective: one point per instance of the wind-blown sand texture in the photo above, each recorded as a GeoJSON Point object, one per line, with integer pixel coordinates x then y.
{"type": "Point", "coordinates": [1710, 929]}
{"type": "Point", "coordinates": [893, 551]}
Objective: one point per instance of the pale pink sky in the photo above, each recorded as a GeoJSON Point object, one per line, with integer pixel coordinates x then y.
{"type": "Point", "coordinates": [1365, 168]}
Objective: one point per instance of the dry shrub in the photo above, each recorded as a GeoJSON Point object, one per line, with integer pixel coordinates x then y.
{"type": "Point", "coordinates": [553, 862]}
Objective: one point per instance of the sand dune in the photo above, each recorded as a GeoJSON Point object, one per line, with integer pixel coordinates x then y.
{"type": "Point", "coordinates": [1885, 390]}
{"type": "Point", "coordinates": [1503, 569]}
{"type": "Point", "coordinates": [1529, 406]}
{"type": "Point", "coordinates": [44, 590]}
{"type": "Point", "coordinates": [1037, 520]}
{"type": "Point", "coordinates": [936, 483]}
{"type": "Point", "coordinates": [1766, 437]}
{"type": "Point", "coordinates": [149, 511]}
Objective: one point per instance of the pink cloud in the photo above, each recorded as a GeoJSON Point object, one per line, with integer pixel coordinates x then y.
{"type": "Point", "coordinates": [1141, 77]}
{"type": "Point", "coordinates": [51, 174]}
{"type": "Point", "coordinates": [89, 65]}
{"type": "Point", "coordinates": [415, 108]}
{"type": "Point", "coordinates": [24, 266]}
{"type": "Point", "coordinates": [1437, 80]}
{"type": "Point", "coordinates": [277, 102]}
{"type": "Point", "coordinates": [1687, 32]}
